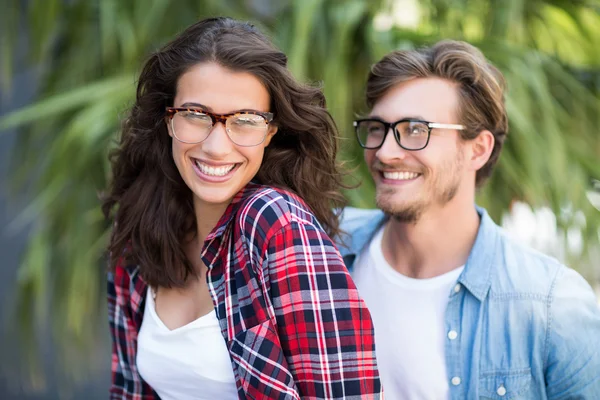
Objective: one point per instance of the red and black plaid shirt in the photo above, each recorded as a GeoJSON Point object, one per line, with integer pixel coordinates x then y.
{"type": "Point", "coordinates": [289, 312]}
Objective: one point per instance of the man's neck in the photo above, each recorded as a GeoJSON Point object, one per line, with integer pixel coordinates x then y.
{"type": "Point", "coordinates": [439, 242]}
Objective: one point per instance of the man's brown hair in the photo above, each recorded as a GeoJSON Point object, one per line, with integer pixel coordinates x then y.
{"type": "Point", "coordinates": [481, 87]}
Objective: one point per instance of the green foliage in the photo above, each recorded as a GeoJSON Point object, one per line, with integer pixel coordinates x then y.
{"type": "Point", "coordinates": [88, 54]}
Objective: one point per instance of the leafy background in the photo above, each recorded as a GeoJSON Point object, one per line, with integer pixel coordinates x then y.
{"type": "Point", "coordinates": [85, 56]}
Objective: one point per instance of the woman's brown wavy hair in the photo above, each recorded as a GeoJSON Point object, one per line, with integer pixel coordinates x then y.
{"type": "Point", "coordinates": [153, 204]}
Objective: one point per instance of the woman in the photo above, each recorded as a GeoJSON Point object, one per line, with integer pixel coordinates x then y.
{"type": "Point", "coordinates": [225, 282]}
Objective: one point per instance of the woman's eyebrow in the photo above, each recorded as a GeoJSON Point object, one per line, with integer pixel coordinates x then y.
{"type": "Point", "coordinates": [196, 105]}
{"type": "Point", "coordinates": [202, 106]}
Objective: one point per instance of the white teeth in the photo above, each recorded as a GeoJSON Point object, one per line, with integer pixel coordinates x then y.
{"type": "Point", "coordinates": [214, 171]}
{"type": "Point", "coordinates": [400, 176]}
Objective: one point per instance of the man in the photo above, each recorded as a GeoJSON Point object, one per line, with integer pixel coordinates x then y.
{"type": "Point", "coordinates": [460, 310]}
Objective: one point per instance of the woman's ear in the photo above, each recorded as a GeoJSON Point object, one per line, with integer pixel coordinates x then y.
{"type": "Point", "coordinates": [272, 131]}
{"type": "Point", "coordinates": [168, 123]}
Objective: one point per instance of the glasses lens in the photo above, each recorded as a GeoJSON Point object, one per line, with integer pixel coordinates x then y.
{"type": "Point", "coordinates": [412, 135]}
{"type": "Point", "coordinates": [191, 126]}
{"type": "Point", "coordinates": [247, 129]}
{"type": "Point", "coordinates": [370, 134]}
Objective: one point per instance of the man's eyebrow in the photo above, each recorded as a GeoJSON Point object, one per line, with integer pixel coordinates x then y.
{"type": "Point", "coordinates": [417, 117]}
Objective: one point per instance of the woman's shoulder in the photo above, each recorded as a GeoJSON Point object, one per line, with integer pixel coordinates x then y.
{"type": "Point", "coordinates": [270, 208]}
{"type": "Point", "coordinates": [124, 275]}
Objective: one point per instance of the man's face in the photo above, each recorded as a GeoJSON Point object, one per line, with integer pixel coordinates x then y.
{"type": "Point", "coordinates": [409, 183]}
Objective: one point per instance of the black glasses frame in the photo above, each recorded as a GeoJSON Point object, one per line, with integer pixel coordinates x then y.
{"type": "Point", "coordinates": [392, 125]}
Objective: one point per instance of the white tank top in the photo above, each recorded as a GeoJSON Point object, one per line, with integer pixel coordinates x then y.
{"type": "Point", "coordinates": [190, 362]}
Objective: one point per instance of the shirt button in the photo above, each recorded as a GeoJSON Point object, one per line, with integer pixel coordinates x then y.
{"type": "Point", "coordinates": [456, 381]}
{"type": "Point", "coordinates": [452, 335]}
{"type": "Point", "coordinates": [457, 288]}
{"type": "Point", "coordinates": [501, 390]}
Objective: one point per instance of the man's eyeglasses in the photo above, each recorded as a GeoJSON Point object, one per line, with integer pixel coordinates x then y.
{"type": "Point", "coordinates": [411, 134]}
{"type": "Point", "coordinates": [244, 128]}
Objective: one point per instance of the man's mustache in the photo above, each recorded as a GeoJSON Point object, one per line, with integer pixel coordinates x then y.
{"type": "Point", "coordinates": [398, 167]}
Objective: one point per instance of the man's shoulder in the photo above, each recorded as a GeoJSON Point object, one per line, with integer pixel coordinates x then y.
{"type": "Point", "coordinates": [531, 274]}
{"type": "Point", "coordinates": [523, 270]}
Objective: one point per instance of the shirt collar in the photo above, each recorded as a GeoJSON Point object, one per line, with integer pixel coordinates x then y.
{"type": "Point", "coordinates": [353, 242]}
{"type": "Point", "coordinates": [232, 209]}
{"type": "Point", "coordinates": [476, 276]}
{"type": "Point", "coordinates": [137, 292]}
{"type": "Point", "coordinates": [137, 286]}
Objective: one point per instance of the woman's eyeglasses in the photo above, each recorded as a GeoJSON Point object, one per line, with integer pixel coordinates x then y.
{"type": "Point", "coordinates": [194, 125]}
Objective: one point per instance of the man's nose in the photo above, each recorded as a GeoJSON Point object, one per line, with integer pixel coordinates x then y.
{"type": "Point", "coordinates": [390, 149]}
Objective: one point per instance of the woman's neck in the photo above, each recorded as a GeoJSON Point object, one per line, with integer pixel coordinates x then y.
{"type": "Point", "coordinates": [207, 217]}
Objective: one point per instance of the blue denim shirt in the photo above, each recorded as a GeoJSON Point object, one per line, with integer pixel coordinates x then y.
{"type": "Point", "coordinates": [528, 327]}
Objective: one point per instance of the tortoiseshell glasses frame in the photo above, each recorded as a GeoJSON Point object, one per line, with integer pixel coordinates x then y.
{"type": "Point", "coordinates": [245, 128]}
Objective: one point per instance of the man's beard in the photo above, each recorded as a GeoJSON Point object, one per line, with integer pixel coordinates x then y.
{"type": "Point", "coordinates": [411, 213]}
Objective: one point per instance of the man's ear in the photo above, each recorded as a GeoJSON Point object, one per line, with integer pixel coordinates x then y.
{"type": "Point", "coordinates": [272, 131]}
{"type": "Point", "coordinates": [481, 149]}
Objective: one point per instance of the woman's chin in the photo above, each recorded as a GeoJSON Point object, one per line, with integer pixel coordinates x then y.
{"type": "Point", "coordinates": [214, 196]}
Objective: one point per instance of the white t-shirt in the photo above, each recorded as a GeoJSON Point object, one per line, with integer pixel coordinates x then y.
{"type": "Point", "coordinates": [408, 315]}
{"type": "Point", "coordinates": [190, 362]}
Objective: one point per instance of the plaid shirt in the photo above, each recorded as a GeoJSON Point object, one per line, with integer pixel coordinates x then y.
{"type": "Point", "coordinates": [289, 312]}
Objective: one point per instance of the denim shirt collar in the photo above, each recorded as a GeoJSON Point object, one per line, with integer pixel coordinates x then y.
{"type": "Point", "coordinates": [476, 276]}
{"type": "Point", "coordinates": [354, 240]}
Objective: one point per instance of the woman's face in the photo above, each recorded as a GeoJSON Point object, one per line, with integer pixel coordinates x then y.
{"type": "Point", "coordinates": [217, 168]}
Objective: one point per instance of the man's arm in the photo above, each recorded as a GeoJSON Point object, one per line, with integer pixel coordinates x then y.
{"type": "Point", "coordinates": [573, 339]}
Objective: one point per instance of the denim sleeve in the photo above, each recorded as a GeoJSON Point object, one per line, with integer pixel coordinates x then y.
{"type": "Point", "coordinates": [573, 339]}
